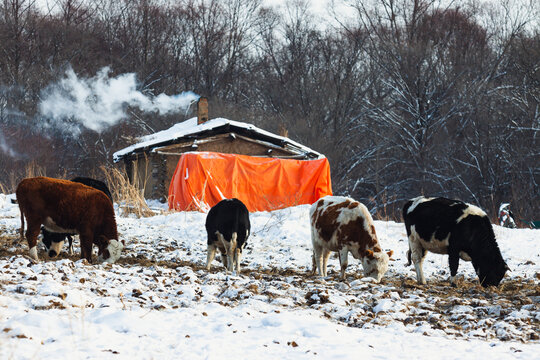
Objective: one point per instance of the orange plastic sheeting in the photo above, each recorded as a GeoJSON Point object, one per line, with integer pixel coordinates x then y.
{"type": "Point", "coordinates": [203, 179]}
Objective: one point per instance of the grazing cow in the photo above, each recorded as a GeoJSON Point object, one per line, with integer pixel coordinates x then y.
{"type": "Point", "coordinates": [66, 207]}
{"type": "Point", "coordinates": [342, 224]}
{"type": "Point", "coordinates": [228, 228]}
{"type": "Point", "coordinates": [452, 227]}
{"type": "Point", "coordinates": [53, 241]}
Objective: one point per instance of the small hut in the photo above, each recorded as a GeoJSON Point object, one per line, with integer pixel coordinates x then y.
{"type": "Point", "coordinates": [153, 160]}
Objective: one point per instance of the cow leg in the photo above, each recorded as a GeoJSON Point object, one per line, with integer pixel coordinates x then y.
{"type": "Point", "coordinates": [230, 249]}
{"type": "Point", "coordinates": [210, 255]}
{"type": "Point", "coordinates": [32, 233]}
{"type": "Point", "coordinates": [418, 265]}
{"type": "Point", "coordinates": [237, 258]}
{"type": "Point", "coordinates": [86, 247]}
{"type": "Point", "coordinates": [343, 261]}
{"type": "Point", "coordinates": [317, 259]}
{"type": "Point", "coordinates": [225, 257]}
{"type": "Point", "coordinates": [231, 252]}
{"type": "Point", "coordinates": [313, 265]}
{"type": "Point", "coordinates": [417, 254]}
{"type": "Point", "coordinates": [70, 241]}
{"type": "Point", "coordinates": [325, 256]}
{"type": "Point", "coordinates": [224, 261]}
{"type": "Point", "coordinates": [453, 261]}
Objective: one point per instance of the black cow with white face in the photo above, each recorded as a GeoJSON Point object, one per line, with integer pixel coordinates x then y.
{"type": "Point", "coordinates": [54, 241]}
{"type": "Point", "coordinates": [228, 229]}
{"type": "Point", "coordinates": [446, 226]}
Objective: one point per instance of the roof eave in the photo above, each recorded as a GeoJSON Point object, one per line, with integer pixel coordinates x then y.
{"type": "Point", "coordinates": [222, 129]}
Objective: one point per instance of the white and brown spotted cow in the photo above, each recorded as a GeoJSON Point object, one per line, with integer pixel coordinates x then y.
{"type": "Point", "coordinates": [67, 207]}
{"type": "Point", "coordinates": [342, 224]}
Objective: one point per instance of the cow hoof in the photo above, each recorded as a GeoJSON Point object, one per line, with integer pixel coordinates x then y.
{"type": "Point", "coordinates": [32, 260]}
{"type": "Point", "coordinates": [33, 254]}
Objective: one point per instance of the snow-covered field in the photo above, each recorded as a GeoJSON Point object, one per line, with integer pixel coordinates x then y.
{"type": "Point", "coordinates": [158, 302]}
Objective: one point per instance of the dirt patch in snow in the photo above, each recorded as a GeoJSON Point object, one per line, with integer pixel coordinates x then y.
{"type": "Point", "coordinates": [157, 278]}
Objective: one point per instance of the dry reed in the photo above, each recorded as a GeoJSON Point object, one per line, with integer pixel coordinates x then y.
{"type": "Point", "coordinates": [33, 170]}
{"type": "Point", "coordinates": [128, 195]}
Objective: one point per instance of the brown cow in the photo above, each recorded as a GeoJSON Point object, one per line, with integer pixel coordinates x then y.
{"type": "Point", "coordinates": [68, 207]}
{"type": "Point", "coordinates": [342, 224]}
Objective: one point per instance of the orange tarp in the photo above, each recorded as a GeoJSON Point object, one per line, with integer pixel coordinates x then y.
{"type": "Point", "coordinates": [203, 179]}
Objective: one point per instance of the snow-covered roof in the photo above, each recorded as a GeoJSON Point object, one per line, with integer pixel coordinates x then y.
{"type": "Point", "coordinates": [190, 127]}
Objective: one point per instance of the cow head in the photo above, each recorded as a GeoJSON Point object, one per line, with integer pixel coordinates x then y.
{"type": "Point", "coordinates": [53, 242]}
{"type": "Point", "coordinates": [47, 243]}
{"type": "Point", "coordinates": [109, 250]}
{"type": "Point", "coordinates": [491, 276]}
{"type": "Point", "coordinates": [54, 249]}
{"type": "Point", "coordinates": [489, 263]}
{"type": "Point", "coordinates": [375, 263]}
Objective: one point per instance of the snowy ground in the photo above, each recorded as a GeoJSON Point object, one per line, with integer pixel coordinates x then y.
{"type": "Point", "coordinates": [159, 302]}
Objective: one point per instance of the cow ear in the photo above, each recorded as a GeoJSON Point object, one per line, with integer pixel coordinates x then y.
{"type": "Point", "coordinates": [103, 242]}
{"type": "Point", "coordinates": [390, 253]}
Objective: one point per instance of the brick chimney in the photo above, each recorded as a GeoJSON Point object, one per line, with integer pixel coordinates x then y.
{"type": "Point", "coordinates": [202, 110]}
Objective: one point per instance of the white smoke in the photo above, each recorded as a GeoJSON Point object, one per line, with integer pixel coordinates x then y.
{"type": "Point", "coordinates": [5, 148]}
{"type": "Point", "coordinates": [101, 101]}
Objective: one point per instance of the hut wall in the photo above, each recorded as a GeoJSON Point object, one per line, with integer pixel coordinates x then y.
{"type": "Point", "coordinates": [226, 145]}
{"type": "Point", "coordinates": [171, 163]}
{"type": "Point", "coordinates": [141, 174]}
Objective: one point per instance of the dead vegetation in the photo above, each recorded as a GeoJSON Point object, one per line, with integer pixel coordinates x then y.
{"type": "Point", "coordinates": [129, 195]}
{"type": "Point", "coordinates": [32, 169]}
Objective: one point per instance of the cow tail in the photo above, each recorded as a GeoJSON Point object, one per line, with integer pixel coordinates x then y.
{"type": "Point", "coordinates": [21, 231]}
{"type": "Point", "coordinates": [409, 262]}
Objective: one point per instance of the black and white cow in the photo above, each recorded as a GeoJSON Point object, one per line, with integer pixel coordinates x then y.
{"type": "Point", "coordinates": [452, 227]}
{"type": "Point", "coordinates": [228, 228]}
{"type": "Point", "coordinates": [54, 241]}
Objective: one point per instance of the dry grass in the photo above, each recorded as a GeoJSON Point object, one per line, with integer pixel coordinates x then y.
{"type": "Point", "coordinates": [129, 196]}
{"type": "Point", "coordinates": [384, 212]}
{"type": "Point", "coordinates": [32, 169]}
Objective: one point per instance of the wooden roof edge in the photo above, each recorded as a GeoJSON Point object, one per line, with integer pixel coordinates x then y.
{"type": "Point", "coordinates": [222, 129]}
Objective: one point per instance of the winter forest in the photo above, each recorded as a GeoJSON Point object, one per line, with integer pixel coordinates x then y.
{"type": "Point", "coordinates": [404, 97]}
